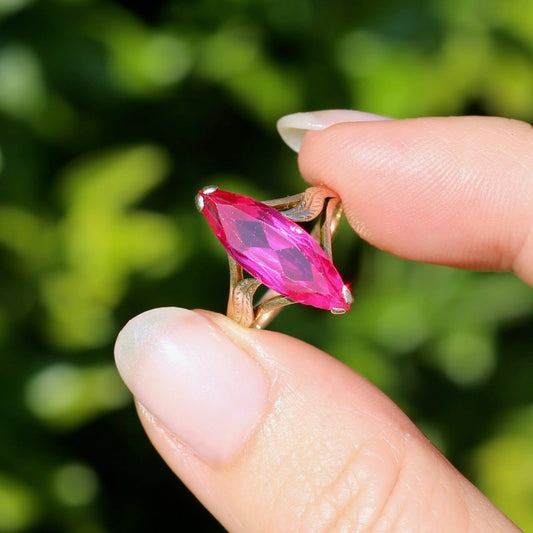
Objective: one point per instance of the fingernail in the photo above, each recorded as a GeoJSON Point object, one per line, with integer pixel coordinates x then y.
{"type": "Point", "coordinates": [208, 392]}
{"type": "Point", "coordinates": [292, 128]}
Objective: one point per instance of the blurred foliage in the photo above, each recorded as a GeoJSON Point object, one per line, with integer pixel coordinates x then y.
{"type": "Point", "coordinates": [113, 114]}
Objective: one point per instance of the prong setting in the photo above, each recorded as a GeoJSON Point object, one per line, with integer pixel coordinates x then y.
{"type": "Point", "coordinates": [347, 295]}
{"type": "Point", "coordinates": [199, 201]}
{"type": "Point", "coordinates": [338, 311]}
{"type": "Point", "coordinates": [297, 266]}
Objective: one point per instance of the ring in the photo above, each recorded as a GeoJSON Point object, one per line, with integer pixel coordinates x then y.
{"type": "Point", "coordinates": [266, 240]}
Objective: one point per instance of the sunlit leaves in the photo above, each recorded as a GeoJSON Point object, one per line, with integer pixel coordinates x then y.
{"type": "Point", "coordinates": [22, 90]}
{"type": "Point", "coordinates": [234, 57]}
{"type": "Point", "coordinates": [104, 240]}
{"type": "Point", "coordinates": [64, 396]}
{"type": "Point", "coordinates": [504, 466]}
{"type": "Point", "coordinates": [141, 61]}
{"type": "Point", "coordinates": [19, 505]}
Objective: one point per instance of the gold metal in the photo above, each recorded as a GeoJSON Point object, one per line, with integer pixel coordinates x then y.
{"type": "Point", "coordinates": [318, 203]}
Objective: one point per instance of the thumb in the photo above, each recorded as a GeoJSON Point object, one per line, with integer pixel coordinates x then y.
{"type": "Point", "coordinates": [273, 435]}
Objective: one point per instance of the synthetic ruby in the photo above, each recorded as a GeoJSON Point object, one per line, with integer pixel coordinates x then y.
{"type": "Point", "coordinates": [274, 249]}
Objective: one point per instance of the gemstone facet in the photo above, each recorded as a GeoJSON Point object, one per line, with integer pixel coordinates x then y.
{"type": "Point", "coordinates": [274, 249]}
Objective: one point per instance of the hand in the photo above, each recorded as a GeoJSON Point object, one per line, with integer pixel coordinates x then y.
{"type": "Point", "coordinates": [273, 435]}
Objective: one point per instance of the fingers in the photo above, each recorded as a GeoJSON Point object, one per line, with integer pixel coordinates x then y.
{"type": "Point", "coordinates": [274, 435]}
{"type": "Point", "coordinates": [456, 191]}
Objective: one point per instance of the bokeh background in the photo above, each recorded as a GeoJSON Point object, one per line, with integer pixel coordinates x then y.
{"type": "Point", "coordinates": [112, 116]}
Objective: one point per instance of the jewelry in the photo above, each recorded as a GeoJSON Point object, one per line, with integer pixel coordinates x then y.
{"type": "Point", "coordinates": [265, 239]}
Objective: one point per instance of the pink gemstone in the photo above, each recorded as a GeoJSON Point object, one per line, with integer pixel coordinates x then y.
{"type": "Point", "coordinates": [274, 249]}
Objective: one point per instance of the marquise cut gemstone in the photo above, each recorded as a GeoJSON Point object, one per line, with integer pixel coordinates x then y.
{"type": "Point", "coordinates": [274, 249]}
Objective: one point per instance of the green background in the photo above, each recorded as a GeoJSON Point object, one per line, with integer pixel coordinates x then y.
{"type": "Point", "coordinates": [112, 117]}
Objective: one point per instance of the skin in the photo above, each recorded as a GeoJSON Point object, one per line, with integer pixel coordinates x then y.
{"type": "Point", "coordinates": [328, 451]}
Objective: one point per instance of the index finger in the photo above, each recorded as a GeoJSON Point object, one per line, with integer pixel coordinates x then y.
{"type": "Point", "coordinates": [453, 190]}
